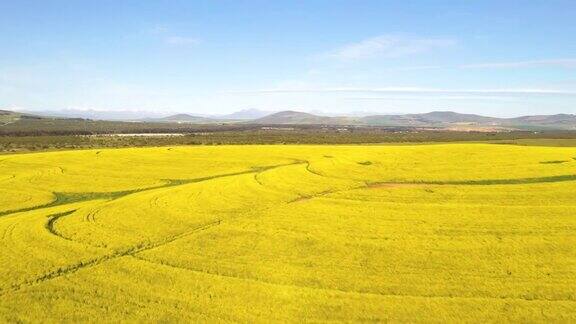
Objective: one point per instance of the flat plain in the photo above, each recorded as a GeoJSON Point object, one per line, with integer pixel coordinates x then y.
{"type": "Point", "coordinates": [290, 233]}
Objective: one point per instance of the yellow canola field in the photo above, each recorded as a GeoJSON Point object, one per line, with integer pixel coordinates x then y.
{"type": "Point", "coordinates": [427, 233]}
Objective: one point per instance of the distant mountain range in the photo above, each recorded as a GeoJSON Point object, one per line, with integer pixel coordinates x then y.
{"type": "Point", "coordinates": [428, 119]}
{"type": "Point", "coordinates": [435, 119]}
{"type": "Point", "coordinates": [124, 115]}
{"type": "Point", "coordinates": [296, 118]}
{"type": "Point", "coordinates": [242, 115]}
{"type": "Point", "coordinates": [246, 114]}
{"type": "Point", "coordinates": [441, 119]}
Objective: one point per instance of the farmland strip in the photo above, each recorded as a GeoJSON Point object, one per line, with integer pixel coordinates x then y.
{"type": "Point", "coordinates": [96, 261]}
{"type": "Point", "coordinates": [347, 291]}
{"type": "Point", "coordinates": [68, 198]}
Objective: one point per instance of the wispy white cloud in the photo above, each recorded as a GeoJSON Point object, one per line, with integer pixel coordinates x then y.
{"type": "Point", "coordinates": [181, 41]}
{"type": "Point", "coordinates": [419, 90]}
{"type": "Point", "coordinates": [389, 46]}
{"type": "Point", "coordinates": [431, 97]}
{"type": "Point", "coordinates": [567, 63]}
{"type": "Point", "coordinates": [564, 63]}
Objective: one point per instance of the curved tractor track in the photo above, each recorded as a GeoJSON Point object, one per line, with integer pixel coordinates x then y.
{"type": "Point", "coordinates": [458, 233]}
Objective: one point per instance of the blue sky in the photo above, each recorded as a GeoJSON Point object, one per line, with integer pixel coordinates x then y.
{"type": "Point", "coordinates": [501, 58]}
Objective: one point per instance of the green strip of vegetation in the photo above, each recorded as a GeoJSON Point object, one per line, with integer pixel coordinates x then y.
{"type": "Point", "coordinates": [14, 143]}
{"type": "Point", "coordinates": [487, 182]}
{"type": "Point", "coordinates": [64, 198]}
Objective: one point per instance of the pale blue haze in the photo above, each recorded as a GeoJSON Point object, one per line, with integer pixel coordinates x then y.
{"type": "Point", "coordinates": [500, 58]}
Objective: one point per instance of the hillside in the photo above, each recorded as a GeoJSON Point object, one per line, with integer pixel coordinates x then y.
{"type": "Point", "coordinates": [446, 119]}
{"type": "Point", "coordinates": [559, 120]}
{"type": "Point", "coordinates": [110, 115]}
{"type": "Point", "coordinates": [436, 119]}
{"type": "Point", "coordinates": [432, 119]}
{"type": "Point", "coordinates": [7, 117]}
{"type": "Point", "coordinates": [439, 119]}
{"type": "Point", "coordinates": [452, 117]}
{"type": "Point", "coordinates": [14, 123]}
{"type": "Point", "coordinates": [302, 118]}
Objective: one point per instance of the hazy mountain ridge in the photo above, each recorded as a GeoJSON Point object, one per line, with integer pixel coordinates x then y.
{"type": "Point", "coordinates": [7, 116]}
{"type": "Point", "coordinates": [122, 115]}
{"type": "Point", "coordinates": [442, 119]}
{"type": "Point", "coordinates": [562, 119]}
{"type": "Point", "coordinates": [129, 115]}
{"type": "Point", "coordinates": [437, 119]}
{"type": "Point", "coordinates": [428, 119]}
{"type": "Point", "coordinates": [296, 117]}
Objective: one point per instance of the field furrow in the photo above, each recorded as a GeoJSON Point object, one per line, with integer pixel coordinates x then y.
{"type": "Point", "coordinates": [290, 234]}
